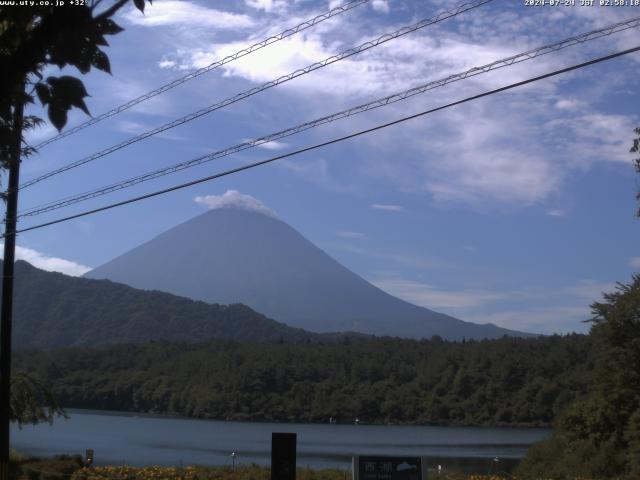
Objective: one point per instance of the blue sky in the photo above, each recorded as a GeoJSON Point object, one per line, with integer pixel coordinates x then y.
{"type": "Point", "coordinates": [517, 209]}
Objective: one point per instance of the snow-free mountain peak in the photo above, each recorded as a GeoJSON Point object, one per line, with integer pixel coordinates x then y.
{"type": "Point", "coordinates": [244, 255]}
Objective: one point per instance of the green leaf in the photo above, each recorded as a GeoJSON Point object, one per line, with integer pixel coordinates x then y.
{"type": "Point", "coordinates": [101, 61]}
{"type": "Point", "coordinates": [139, 5]}
{"type": "Point", "coordinates": [44, 93]}
{"type": "Point", "coordinates": [79, 103]}
{"type": "Point", "coordinates": [109, 27]}
{"type": "Point", "coordinates": [67, 86]}
{"type": "Point", "coordinates": [31, 121]}
{"type": "Point", "coordinates": [66, 92]}
{"type": "Point", "coordinates": [84, 60]}
{"type": "Point", "coordinates": [99, 40]}
{"type": "Point", "coordinates": [57, 115]}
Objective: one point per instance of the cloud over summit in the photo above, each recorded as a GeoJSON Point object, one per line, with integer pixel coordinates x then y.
{"type": "Point", "coordinates": [235, 199]}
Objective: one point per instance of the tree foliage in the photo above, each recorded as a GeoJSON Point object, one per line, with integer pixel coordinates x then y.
{"type": "Point", "coordinates": [508, 381]}
{"type": "Point", "coordinates": [636, 149]}
{"type": "Point", "coordinates": [36, 36]}
{"type": "Point", "coordinates": [33, 37]}
{"type": "Point", "coordinates": [599, 435]}
{"type": "Point", "coordinates": [31, 402]}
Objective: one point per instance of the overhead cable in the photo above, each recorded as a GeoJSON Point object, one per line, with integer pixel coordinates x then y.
{"type": "Point", "coordinates": [218, 63]}
{"type": "Point", "coordinates": [521, 57]}
{"type": "Point", "coordinates": [285, 78]}
{"type": "Point", "coordinates": [324, 144]}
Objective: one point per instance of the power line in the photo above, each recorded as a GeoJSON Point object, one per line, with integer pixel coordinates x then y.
{"type": "Point", "coordinates": [218, 63]}
{"type": "Point", "coordinates": [283, 79]}
{"type": "Point", "coordinates": [329, 142]}
{"type": "Point", "coordinates": [527, 55]}
{"type": "Point", "coordinates": [608, 30]}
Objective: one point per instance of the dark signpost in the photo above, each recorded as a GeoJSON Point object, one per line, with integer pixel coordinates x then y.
{"type": "Point", "coordinates": [89, 457]}
{"type": "Point", "coordinates": [389, 468]}
{"type": "Point", "coordinates": [283, 456]}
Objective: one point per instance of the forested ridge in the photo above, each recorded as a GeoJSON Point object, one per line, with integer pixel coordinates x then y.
{"type": "Point", "coordinates": [52, 310]}
{"type": "Point", "coordinates": [509, 381]}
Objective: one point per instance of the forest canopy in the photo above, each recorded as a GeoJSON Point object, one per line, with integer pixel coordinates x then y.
{"type": "Point", "coordinates": [509, 381]}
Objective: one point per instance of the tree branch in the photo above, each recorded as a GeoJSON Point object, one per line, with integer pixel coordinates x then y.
{"type": "Point", "coordinates": [112, 10]}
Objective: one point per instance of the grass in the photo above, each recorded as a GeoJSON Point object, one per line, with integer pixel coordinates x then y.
{"type": "Point", "coordinates": [253, 472]}
{"type": "Point", "coordinates": [71, 468]}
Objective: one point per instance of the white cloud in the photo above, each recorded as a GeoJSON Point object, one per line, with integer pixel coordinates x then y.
{"type": "Point", "coordinates": [479, 155]}
{"type": "Point", "coordinates": [41, 133]}
{"type": "Point", "coordinates": [380, 6]}
{"type": "Point", "coordinates": [401, 62]}
{"type": "Point", "coordinates": [567, 104]}
{"type": "Point", "coordinates": [347, 234]}
{"type": "Point", "coordinates": [273, 145]}
{"type": "Point", "coordinates": [500, 174]}
{"type": "Point", "coordinates": [183, 13]}
{"type": "Point", "coordinates": [564, 308]}
{"type": "Point", "coordinates": [634, 262]}
{"type": "Point", "coordinates": [595, 136]}
{"type": "Point", "coordinates": [404, 260]}
{"type": "Point", "coordinates": [590, 290]}
{"type": "Point", "coordinates": [235, 199]}
{"type": "Point", "coordinates": [266, 5]}
{"type": "Point", "coordinates": [166, 63]}
{"type": "Point", "coordinates": [387, 207]}
{"type": "Point", "coordinates": [283, 58]}
{"type": "Point", "coordinates": [396, 65]}
{"type": "Point", "coordinates": [433, 297]}
{"type": "Point", "coordinates": [556, 212]}
{"type": "Point", "coordinates": [120, 90]}
{"type": "Point", "coordinates": [131, 127]}
{"type": "Point", "coordinates": [548, 320]}
{"type": "Point", "coordinates": [492, 162]}
{"type": "Point", "coordinates": [50, 264]}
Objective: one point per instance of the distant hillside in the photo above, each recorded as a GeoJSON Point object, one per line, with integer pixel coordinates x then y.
{"type": "Point", "coordinates": [231, 255]}
{"type": "Point", "coordinates": [54, 310]}
{"type": "Point", "coordinates": [510, 381]}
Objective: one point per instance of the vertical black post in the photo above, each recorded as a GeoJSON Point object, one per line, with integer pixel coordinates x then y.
{"type": "Point", "coordinates": [283, 456]}
{"type": "Point", "coordinates": [7, 285]}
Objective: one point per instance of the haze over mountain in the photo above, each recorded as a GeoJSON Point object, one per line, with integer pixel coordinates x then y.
{"type": "Point", "coordinates": [242, 253]}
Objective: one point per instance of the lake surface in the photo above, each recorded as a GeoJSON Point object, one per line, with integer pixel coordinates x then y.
{"type": "Point", "coordinates": [119, 438]}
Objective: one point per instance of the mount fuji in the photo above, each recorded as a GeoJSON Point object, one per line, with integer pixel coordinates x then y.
{"type": "Point", "coordinates": [242, 253]}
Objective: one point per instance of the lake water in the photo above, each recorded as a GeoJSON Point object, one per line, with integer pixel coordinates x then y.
{"type": "Point", "coordinates": [119, 438]}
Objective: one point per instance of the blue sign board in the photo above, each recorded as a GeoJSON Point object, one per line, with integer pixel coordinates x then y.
{"type": "Point", "coordinates": [389, 468]}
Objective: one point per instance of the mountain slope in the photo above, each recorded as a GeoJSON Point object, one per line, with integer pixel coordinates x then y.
{"type": "Point", "coordinates": [54, 310]}
{"type": "Point", "coordinates": [231, 255]}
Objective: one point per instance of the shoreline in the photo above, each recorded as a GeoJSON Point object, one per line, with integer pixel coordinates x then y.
{"type": "Point", "coordinates": [170, 416]}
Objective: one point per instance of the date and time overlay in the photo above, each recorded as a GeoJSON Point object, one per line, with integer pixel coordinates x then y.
{"type": "Point", "coordinates": [526, 3]}
{"type": "Point", "coordinates": [581, 3]}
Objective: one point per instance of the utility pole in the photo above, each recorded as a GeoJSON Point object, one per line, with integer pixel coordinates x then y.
{"type": "Point", "coordinates": [6, 312]}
